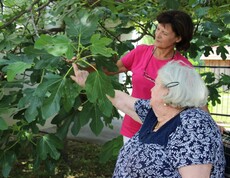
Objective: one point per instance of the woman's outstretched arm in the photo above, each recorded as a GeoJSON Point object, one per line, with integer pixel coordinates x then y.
{"type": "Point", "coordinates": [125, 103]}
{"type": "Point", "coordinates": [121, 100]}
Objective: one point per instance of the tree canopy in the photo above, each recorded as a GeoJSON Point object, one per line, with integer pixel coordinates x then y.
{"type": "Point", "coordinates": [39, 40]}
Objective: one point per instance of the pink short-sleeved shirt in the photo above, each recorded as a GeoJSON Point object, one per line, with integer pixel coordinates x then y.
{"type": "Point", "coordinates": [137, 61]}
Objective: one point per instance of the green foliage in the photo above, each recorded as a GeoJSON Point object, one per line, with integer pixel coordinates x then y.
{"type": "Point", "coordinates": [7, 160]}
{"type": "Point", "coordinates": [210, 80]}
{"type": "Point", "coordinates": [38, 42]}
{"type": "Point", "coordinates": [99, 46]}
{"type": "Point", "coordinates": [225, 80]}
{"type": "Point", "coordinates": [3, 124]}
{"type": "Point", "coordinates": [16, 68]}
{"type": "Point", "coordinates": [111, 149]}
{"type": "Point", "coordinates": [48, 145]}
{"type": "Point", "coordinates": [57, 46]}
{"type": "Point", "coordinates": [97, 86]}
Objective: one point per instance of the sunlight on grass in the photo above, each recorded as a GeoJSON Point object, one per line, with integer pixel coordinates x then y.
{"type": "Point", "coordinates": [222, 109]}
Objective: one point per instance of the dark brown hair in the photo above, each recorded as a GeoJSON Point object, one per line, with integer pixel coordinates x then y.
{"type": "Point", "coordinates": [181, 24]}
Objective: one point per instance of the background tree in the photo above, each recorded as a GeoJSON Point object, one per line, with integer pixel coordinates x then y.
{"type": "Point", "coordinates": [40, 39]}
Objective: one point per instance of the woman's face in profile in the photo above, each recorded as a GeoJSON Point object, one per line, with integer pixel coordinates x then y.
{"type": "Point", "coordinates": [165, 37]}
{"type": "Point", "coordinates": [157, 93]}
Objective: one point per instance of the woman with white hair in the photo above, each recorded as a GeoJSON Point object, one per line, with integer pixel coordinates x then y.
{"type": "Point", "coordinates": [177, 138]}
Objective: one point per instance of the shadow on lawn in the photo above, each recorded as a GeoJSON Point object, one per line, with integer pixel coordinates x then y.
{"type": "Point", "coordinates": [80, 161]}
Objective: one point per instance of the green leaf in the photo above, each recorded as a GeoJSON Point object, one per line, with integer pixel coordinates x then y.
{"type": "Point", "coordinates": [222, 51]}
{"type": "Point", "coordinates": [111, 149]}
{"type": "Point", "coordinates": [83, 25]}
{"type": "Point", "coordinates": [34, 99]}
{"type": "Point", "coordinates": [207, 50]}
{"type": "Point", "coordinates": [213, 29]}
{"type": "Point", "coordinates": [3, 124]}
{"type": "Point", "coordinates": [51, 105]}
{"type": "Point", "coordinates": [193, 50]}
{"type": "Point", "coordinates": [70, 52]}
{"type": "Point", "coordinates": [226, 18]}
{"type": "Point", "coordinates": [86, 114]}
{"type": "Point", "coordinates": [16, 68]}
{"type": "Point", "coordinates": [192, 2]}
{"type": "Point", "coordinates": [96, 123]}
{"type": "Point", "coordinates": [32, 111]}
{"type": "Point", "coordinates": [58, 45]}
{"type": "Point", "coordinates": [32, 102]}
{"type": "Point", "coordinates": [99, 46]}
{"type": "Point", "coordinates": [105, 106]}
{"type": "Point", "coordinates": [63, 129]}
{"type": "Point", "coordinates": [202, 11]}
{"type": "Point", "coordinates": [6, 110]}
{"type": "Point", "coordinates": [70, 92]}
{"type": "Point", "coordinates": [102, 62]}
{"type": "Point", "coordinates": [31, 51]}
{"type": "Point", "coordinates": [76, 125]}
{"type": "Point", "coordinates": [50, 166]}
{"type": "Point", "coordinates": [49, 81]}
{"type": "Point", "coordinates": [209, 77]}
{"type": "Point", "coordinates": [49, 145]}
{"type": "Point", "coordinates": [225, 80]}
{"type": "Point", "coordinates": [214, 96]}
{"type": "Point", "coordinates": [172, 4]}
{"type": "Point", "coordinates": [48, 61]}
{"type": "Point", "coordinates": [97, 86]}
{"type": "Point", "coordinates": [7, 160]}
{"type": "Point", "coordinates": [91, 111]}
{"type": "Point", "coordinates": [11, 40]}
{"type": "Point", "coordinates": [4, 62]}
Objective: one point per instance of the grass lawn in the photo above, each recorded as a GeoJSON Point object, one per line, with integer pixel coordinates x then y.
{"type": "Point", "coordinates": [81, 161]}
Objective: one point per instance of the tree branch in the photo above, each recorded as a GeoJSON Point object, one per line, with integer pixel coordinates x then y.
{"type": "Point", "coordinates": [23, 12]}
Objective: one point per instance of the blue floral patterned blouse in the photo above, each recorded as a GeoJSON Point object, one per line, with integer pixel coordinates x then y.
{"type": "Point", "coordinates": [191, 137]}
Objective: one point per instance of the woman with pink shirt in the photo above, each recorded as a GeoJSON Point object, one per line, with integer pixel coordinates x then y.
{"type": "Point", "coordinates": [173, 34]}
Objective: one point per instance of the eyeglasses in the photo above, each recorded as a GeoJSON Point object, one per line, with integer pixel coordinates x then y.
{"type": "Point", "coordinates": [146, 75]}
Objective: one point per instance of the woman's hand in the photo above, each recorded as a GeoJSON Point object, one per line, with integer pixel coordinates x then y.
{"type": "Point", "coordinates": [79, 76]}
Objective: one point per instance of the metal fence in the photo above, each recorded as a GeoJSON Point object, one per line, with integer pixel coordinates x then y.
{"type": "Point", "coordinates": [221, 112]}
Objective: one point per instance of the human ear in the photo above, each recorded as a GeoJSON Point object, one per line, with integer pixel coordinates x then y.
{"type": "Point", "coordinates": [178, 39]}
